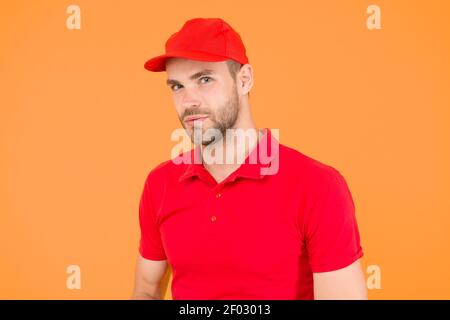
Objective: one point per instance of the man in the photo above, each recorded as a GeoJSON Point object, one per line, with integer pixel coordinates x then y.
{"type": "Point", "coordinates": [280, 227]}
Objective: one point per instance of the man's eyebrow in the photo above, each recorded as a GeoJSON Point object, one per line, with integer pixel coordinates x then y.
{"type": "Point", "coordinates": [172, 82]}
{"type": "Point", "coordinates": [201, 73]}
{"type": "Point", "coordinates": [193, 77]}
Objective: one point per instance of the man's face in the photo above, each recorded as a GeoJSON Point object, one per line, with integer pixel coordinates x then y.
{"type": "Point", "coordinates": [204, 94]}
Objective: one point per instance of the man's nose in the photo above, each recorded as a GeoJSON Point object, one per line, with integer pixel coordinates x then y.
{"type": "Point", "coordinates": [190, 98]}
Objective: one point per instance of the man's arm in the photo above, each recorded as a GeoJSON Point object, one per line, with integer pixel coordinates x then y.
{"type": "Point", "coordinates": [344, 284]}
{"type": "Point", "coordinates": [149, 274]}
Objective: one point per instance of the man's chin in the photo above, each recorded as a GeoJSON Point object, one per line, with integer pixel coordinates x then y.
{"type": "Point", "coordinates": [204, 141]}
{"type": "Point", "coordinates": [204, 135]}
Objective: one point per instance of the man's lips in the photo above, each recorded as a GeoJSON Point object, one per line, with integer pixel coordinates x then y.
{"type": "Point", "coordinates": [191, 119]}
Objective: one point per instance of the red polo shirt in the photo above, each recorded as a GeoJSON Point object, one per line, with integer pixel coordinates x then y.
{"type": "Point", "coordinates": [255, 235]}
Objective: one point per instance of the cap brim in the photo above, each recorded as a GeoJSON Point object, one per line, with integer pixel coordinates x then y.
{"type": "Point", "coordinates": [158, 63]}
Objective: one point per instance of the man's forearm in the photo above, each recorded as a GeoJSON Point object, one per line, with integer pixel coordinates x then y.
{"type": "Point", "coordinates": [144, 296]}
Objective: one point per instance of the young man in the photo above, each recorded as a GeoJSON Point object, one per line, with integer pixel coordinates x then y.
{"type": "Point", "coordinates": [281, 226]}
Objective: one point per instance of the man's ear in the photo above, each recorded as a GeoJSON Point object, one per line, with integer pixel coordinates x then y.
{"type": "Point", "coordinates": [244, 79]}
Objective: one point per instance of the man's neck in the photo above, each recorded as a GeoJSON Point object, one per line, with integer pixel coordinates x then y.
{"type": "Point", "coordinates": [231, 152]}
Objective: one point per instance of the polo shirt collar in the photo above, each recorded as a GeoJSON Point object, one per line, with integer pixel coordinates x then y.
{"type": "Point", "coordinates": [253, 170]}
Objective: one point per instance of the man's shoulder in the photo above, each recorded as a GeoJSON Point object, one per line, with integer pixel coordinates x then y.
{"type": "Point", "coordinates": [303, 166]}
{"type": "Point", "coordinates": [169, 169]}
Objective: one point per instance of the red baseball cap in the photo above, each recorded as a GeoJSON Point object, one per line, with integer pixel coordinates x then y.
{"type": "Point", "coordinates": [204, 39]}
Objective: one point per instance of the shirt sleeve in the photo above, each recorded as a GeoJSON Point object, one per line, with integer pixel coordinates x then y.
{"type": "Point", "coordinates": [150, 245]}
{"type": "Point", "coordinates": [331, 229]}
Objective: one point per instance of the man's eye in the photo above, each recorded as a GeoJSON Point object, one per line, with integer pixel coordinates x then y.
{"type": "Point", "coordinates": [175, 87]}
{"type": "Point", "coordinates": [205, 79]}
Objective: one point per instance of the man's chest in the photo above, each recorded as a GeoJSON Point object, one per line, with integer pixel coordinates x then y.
{"type": "Point", "coordinates": [228, 230]}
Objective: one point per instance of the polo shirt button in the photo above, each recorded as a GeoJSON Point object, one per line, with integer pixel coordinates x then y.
{"type": "Point", "coordinates": [213, 218]}
{"type": "Point", "coordinates": [218, 195]}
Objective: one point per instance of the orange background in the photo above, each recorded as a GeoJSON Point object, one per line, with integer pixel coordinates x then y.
{"type": "Point", "coordinates": [82, 123]}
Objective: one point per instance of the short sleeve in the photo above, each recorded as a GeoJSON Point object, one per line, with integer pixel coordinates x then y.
{"type": "Point", "coordinates": [331, 229]}
{"type": "Point", "coordinates": [150, 245]}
